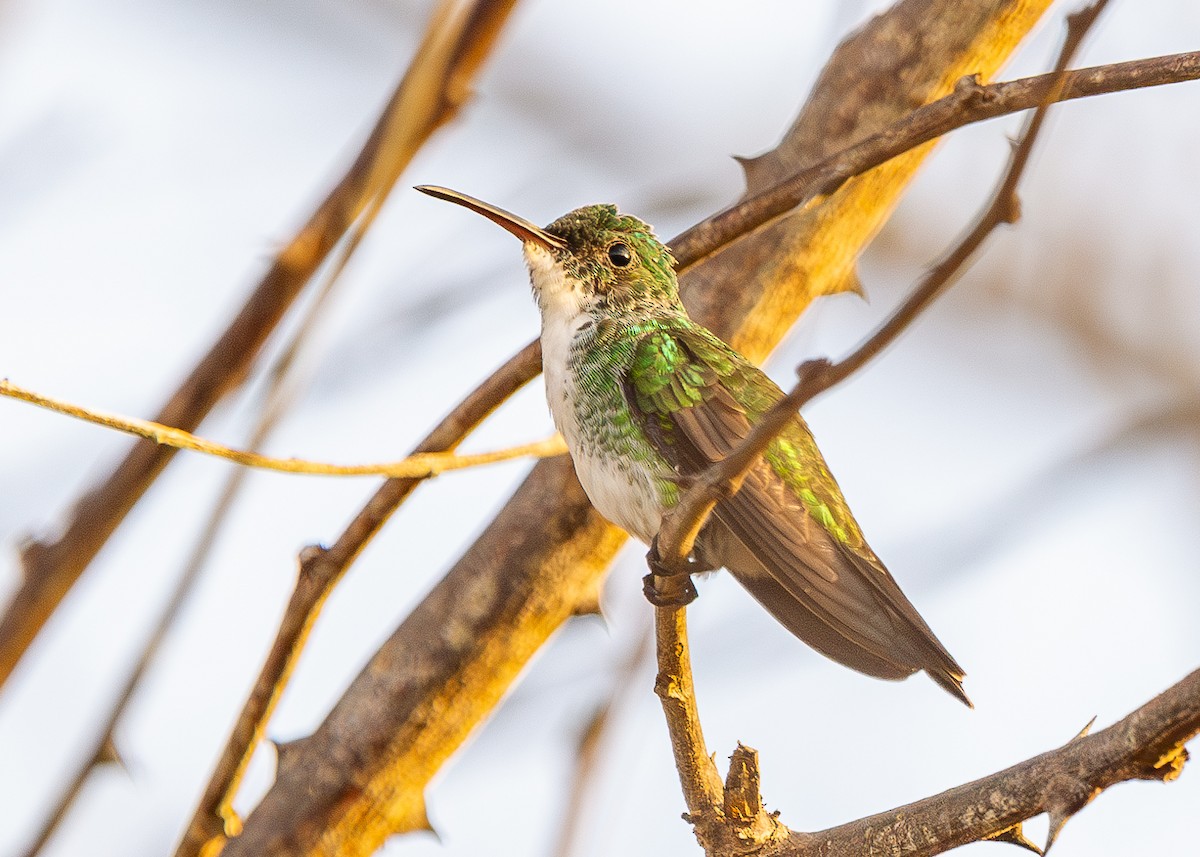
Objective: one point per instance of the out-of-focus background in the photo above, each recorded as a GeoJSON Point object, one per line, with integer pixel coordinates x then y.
{"type": "Point", "coordinates": [1025, 460]}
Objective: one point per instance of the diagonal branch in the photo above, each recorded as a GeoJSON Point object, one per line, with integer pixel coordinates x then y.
{"type": "Point", "coordinates": [320, 570]}
{"type": "Point", "coordinates": [437, 83]}
{"type": "Point", "coordinates": [970, 102]}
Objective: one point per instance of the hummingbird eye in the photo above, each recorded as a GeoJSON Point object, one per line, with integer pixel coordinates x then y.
{"type": "Point", "coordinates": [620, 254]}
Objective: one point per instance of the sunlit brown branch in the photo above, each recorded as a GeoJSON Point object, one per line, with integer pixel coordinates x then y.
{"type": "Point", "coordinates": [361, 776]}
{"type": "Point", "coordinates": [459, 38]}
{"type": "Point", "coordinates": [320, 570]}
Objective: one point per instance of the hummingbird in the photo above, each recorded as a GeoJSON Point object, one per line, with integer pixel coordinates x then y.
{"type": "Point", "coordinates": [646, 398]}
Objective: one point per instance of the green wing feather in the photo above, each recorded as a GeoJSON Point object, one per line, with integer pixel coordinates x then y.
{"type": "Point", "coordinates": [787, 534]}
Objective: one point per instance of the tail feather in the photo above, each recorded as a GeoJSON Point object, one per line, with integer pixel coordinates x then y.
{"type": "Point", "coordinates": [883, 636]}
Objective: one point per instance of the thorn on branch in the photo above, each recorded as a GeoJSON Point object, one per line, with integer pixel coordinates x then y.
{"type": "Point", "coordinates": [1083, 733]}
{"type": "Point", "coordinates": [286, 752]}
{"type": "Point", "coordinates": [1068, 796]}
{"type": "Point", "coordinates": [109, 754]}
{"type": "Point", "coordinates": [1015, 835]}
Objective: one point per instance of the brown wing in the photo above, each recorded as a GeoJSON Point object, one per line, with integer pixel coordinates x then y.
{"type": "Point", "coordinates": [838, 599]}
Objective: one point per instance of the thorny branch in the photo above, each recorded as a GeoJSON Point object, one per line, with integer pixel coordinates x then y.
{"type": "Point", "coordinates": [970, 102]}
{"type": "Point", "coordinates": [752, 827]}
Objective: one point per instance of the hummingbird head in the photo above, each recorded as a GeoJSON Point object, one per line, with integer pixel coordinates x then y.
{"type": "Point", "coordinates": [593, 260]}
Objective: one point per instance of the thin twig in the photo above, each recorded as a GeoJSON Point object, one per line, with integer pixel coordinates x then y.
{"type": "Point", "coordinates": [437, 83]}
{"type": "Point", "coordinates": [418, 466]}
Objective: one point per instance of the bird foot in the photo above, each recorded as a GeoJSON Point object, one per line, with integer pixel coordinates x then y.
{"type": "Point", "coordinates": [666, 586]}
{"type": "Point", "coordinates": [669, 590]}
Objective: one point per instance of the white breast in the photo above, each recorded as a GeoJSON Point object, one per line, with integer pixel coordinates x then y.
{"type": "Point", "coordinates": [620, 491]}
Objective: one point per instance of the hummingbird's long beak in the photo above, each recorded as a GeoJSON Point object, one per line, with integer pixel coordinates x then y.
{"type": "Point", "coordinates": [518, 226]}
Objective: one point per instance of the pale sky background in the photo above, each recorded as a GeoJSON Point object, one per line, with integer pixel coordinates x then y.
{"type": "Point", "coordinates": [1025, 460]}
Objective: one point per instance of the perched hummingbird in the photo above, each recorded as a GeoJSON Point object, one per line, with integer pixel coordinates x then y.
{"type": "Point", "coordinates": [645, 397]}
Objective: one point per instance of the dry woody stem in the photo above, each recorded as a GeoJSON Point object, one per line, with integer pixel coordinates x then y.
{"type": "Point", "coordinates": [320, 571]}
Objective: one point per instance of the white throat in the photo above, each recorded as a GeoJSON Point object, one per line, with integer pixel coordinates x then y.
{"type": "Point", "coordinates": [562, 304]}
